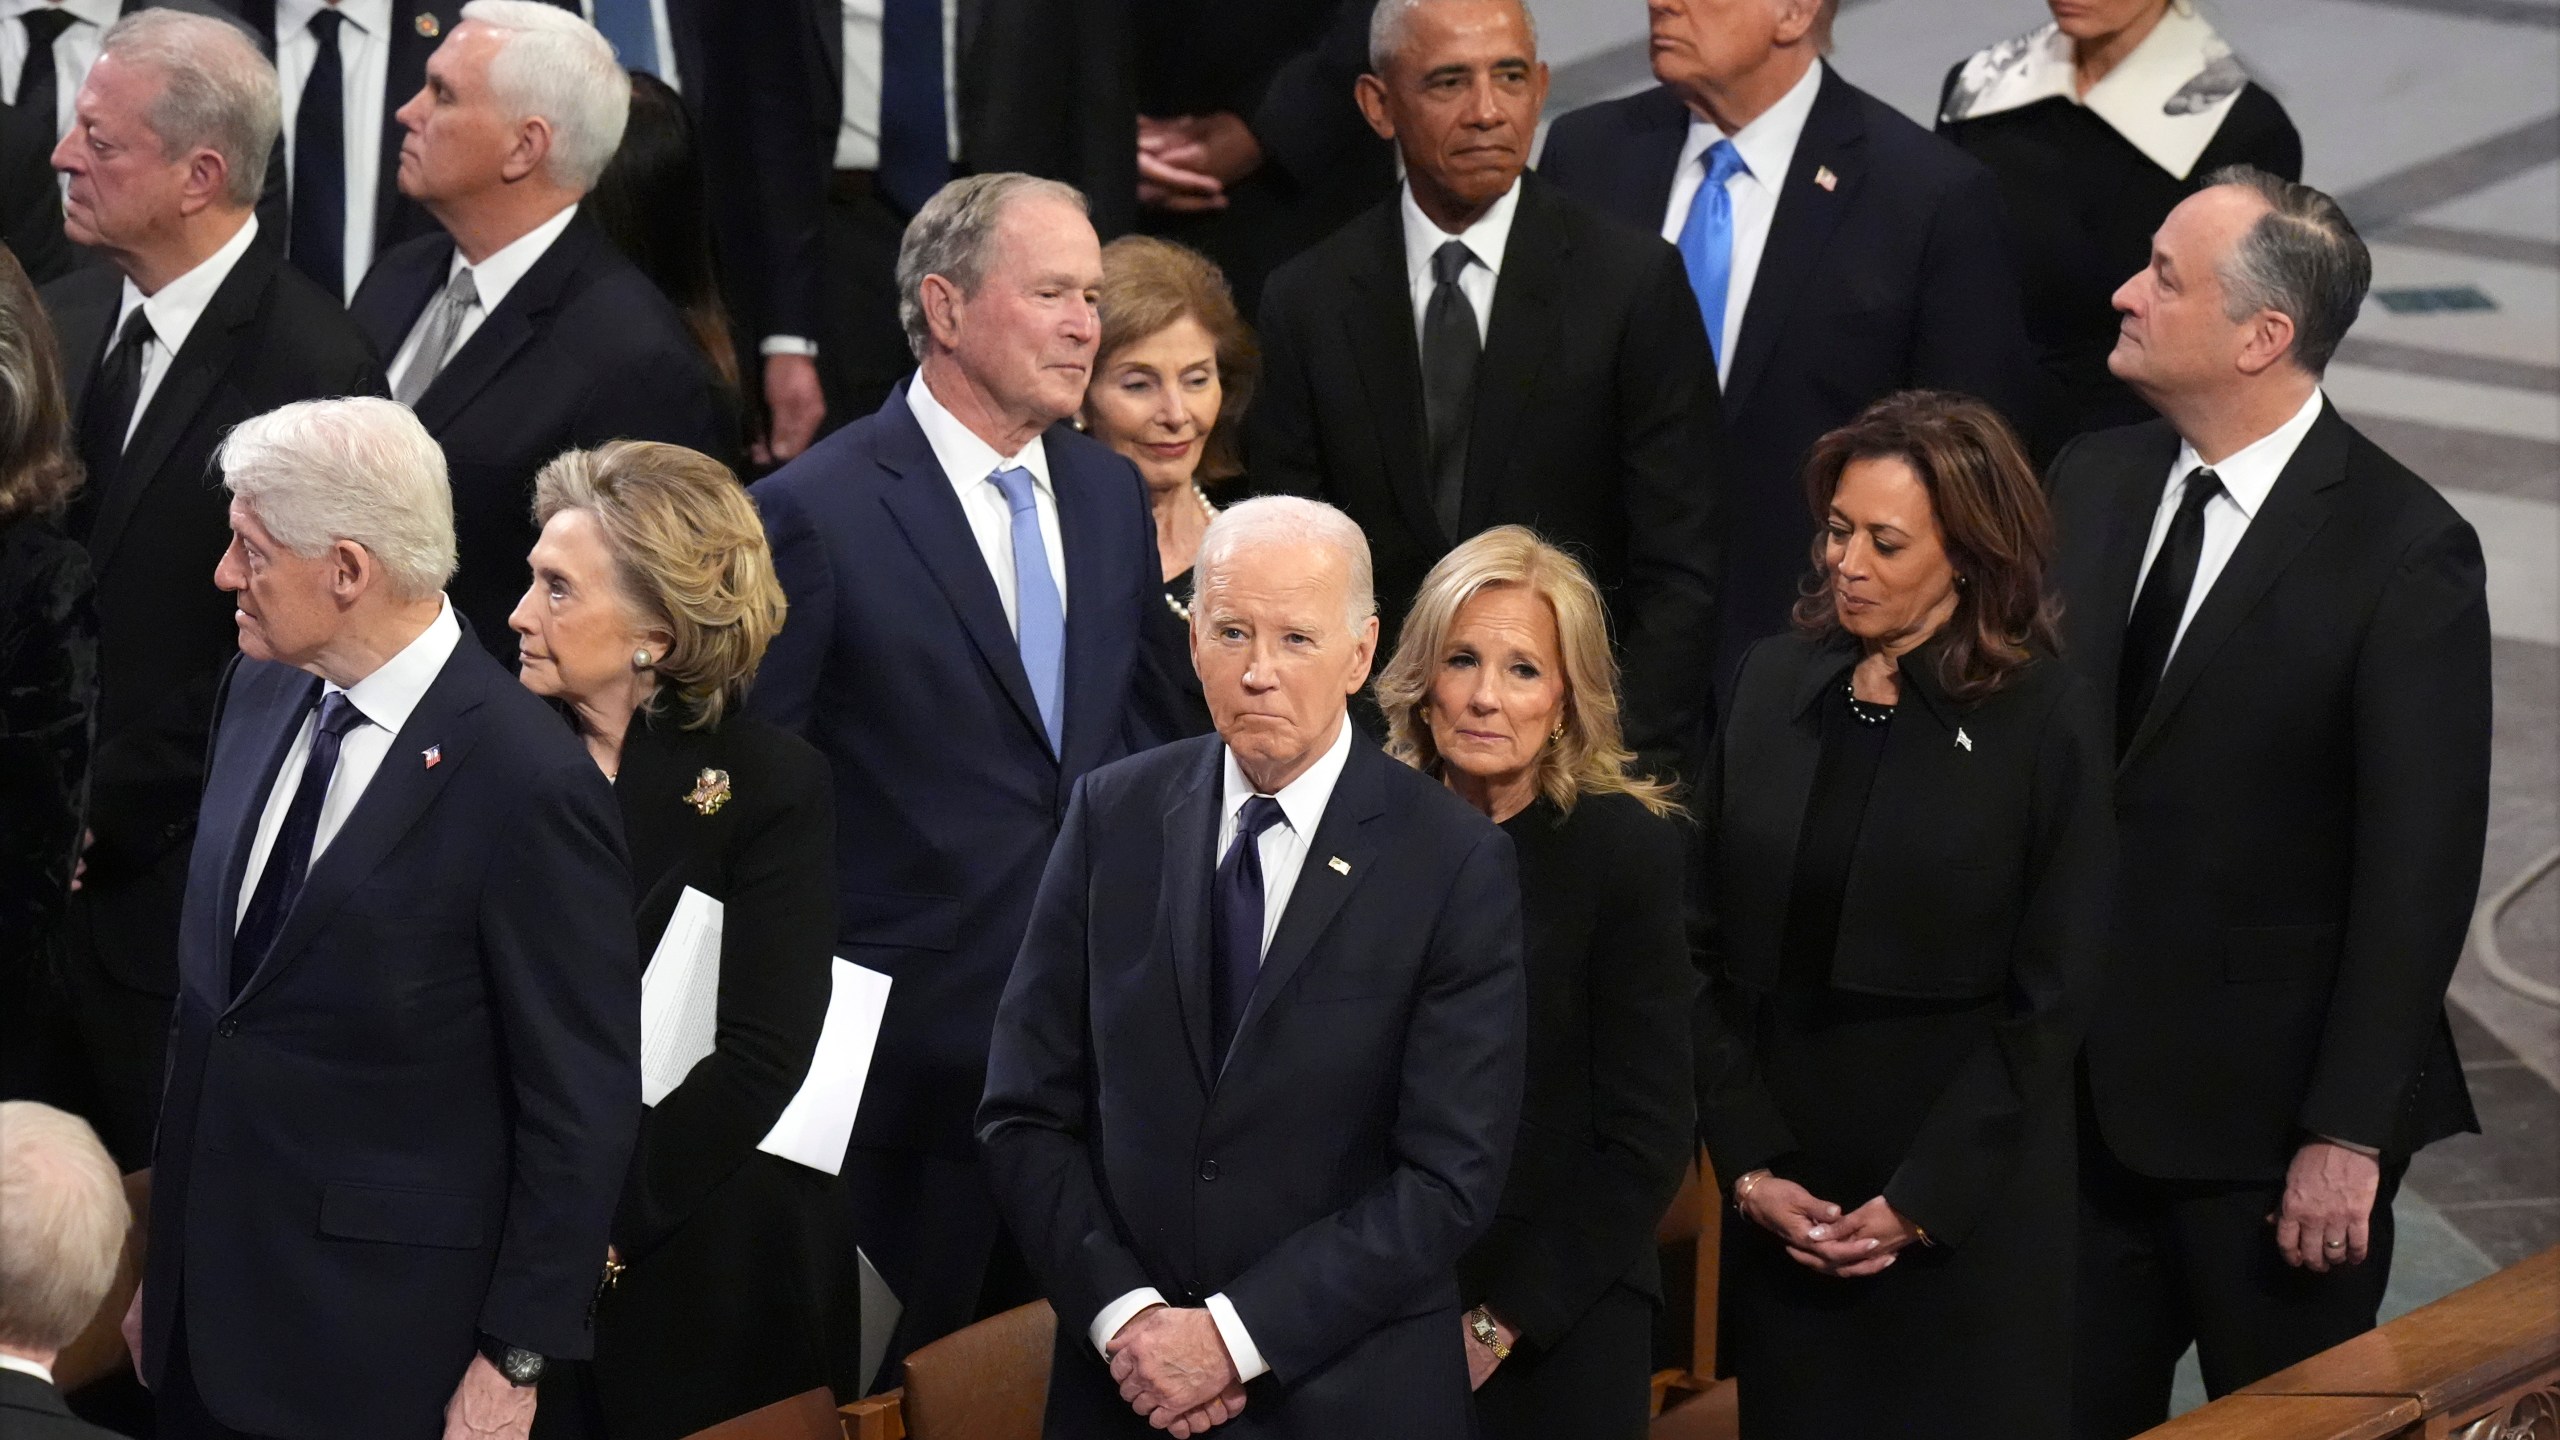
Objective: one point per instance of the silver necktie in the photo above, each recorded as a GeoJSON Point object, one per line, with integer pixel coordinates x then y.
{"type": "Point", "coordinates": [434, 344]}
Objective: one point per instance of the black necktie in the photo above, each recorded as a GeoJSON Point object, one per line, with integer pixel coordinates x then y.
{"type": "Point", "coordinates": [915, 146]}
{"type": "Point", "coordinates": [1450, 346]}
{"type": "Point", "coordinates": [38, 92]}
{"type": "Point", "coordinates": [1235, 924]}
{"type": "Point", "coordinates": [2162, 604]}
{"type": "Point", "coordinates": [106, 412]}
{"type": "Point", "coordinates": [319, 195]}
{"type": "Point", "coordinates": [289, 860]}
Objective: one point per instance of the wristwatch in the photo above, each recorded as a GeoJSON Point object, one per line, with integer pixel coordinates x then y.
{"type": "Point", "coordinates": [522, 1367]}
{"type": "Point", "coordinates": [1488, 1334]}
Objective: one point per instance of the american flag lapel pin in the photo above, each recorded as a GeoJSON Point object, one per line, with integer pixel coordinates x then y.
{"type": "Point", "coordinates": [1823, 177]}
{"type": "Point", "coordinates": [434, 756]}
{"type": "Point", "coordinates": [1340, 865]}
{"type": "Point", "coordinates": [1964, 740]}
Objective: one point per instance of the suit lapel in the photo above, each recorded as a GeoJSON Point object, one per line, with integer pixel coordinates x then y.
{"type": "Point", "coordinates": [1389, 360]}
{"type": "Point", "coordinates": [1085, 521]}
{"type": "Point", "coordinates": [80, 329]}
{"type": "Point", "coordinates": [1655, 150]}
{"type": "Point", "coordinates": [2295, 509]}
{"type": "Point", "coordinates": [401, 81]}
{"type": "Point", "coordinates": [1834, 138]}
{"type": "Point", "coordinates": [237, 810]}
{"type": "Point", "coordinates": [1344, 835]}
{"type": "Point", "coordinates": [2126, 512]}
{"type": "Point", "coordinates": [1182, 928]}
{"type": "Point", "coordinates": [392, 297]}
{"type": "Point", "coordinates": [1526, 317]}
{"type": "Point", "coordinates": [509, 327]}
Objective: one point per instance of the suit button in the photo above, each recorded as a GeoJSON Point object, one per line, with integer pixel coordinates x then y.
{"type": "Point", "coordinates": [227, 1028]}
{"type": "Point", "coordinates": [1208, 1169]}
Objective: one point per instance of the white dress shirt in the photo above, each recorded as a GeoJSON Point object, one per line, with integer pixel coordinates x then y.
{"type": "Point", "coordinates": [73, 53]}
{"type": "Point", "coordinates": [173, 314]}
{"type": "Point", "coordinates": [385, 699]}
{"type": "Point", "coordinates": [492, 278]}
{"type": "Point", "coordinates": [858, 134]}
{"type": "Point", "coordinates": [1768, 149]}
{"type": "Point", "coordinates": [26, 1367]}
{"type": "Point", "coordinates": [2247, 475]}
{"type": "Point", "coordinates": [1486, 240]}
{"type": "Point", "coordinates": [364, 68]}
{"type": "Point", "coordinates": [969, 463]}
{"type": "Point", "coordinates": [1283, 852]}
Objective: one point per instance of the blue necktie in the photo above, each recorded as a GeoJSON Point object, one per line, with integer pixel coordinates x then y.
{"type": "Point", "coordinates": [1706, 239]}
{"type": "Point", "coordinates": [1040, 618]}
{"type": "Point", "coordinates": [915, 149]}
{"type": "Point", "coordinates": [289, 859]}
{"type": "Point", "coordinates": [1235, 924]}
{"type": "Point", "coordinates": [631, 27]}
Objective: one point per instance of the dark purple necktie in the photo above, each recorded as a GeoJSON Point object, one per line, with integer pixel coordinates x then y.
{"type": "Point", "coordinates": [1235, 924]}
{"type": "Point", "coordinates": [280, 884]}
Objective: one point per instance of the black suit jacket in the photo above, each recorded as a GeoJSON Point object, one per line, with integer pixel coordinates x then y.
{"type": "Point", "coordinates": [754, 79]}
{"type": "Point", "coordinates": [2303, 810]}
{"type": "Point", "coordinates": [267, 338]}
{"type": "Point", "coordinates": [30, 201]}
{"type": "Point", "coordinates": [899, 666]}
{"type": "Point", "coordinates": [1595, 422]}
{"type": "Point", "coordinates": [583, 350]}
{"type": "Point", "coordinates": [412, 1122]}
{"type": "Point", "coordinates": [1894, 276]}
{"type": "Point", "coordinates": [1326, 1176]}
{"type": "Point", "coordinates": [32, 1410]}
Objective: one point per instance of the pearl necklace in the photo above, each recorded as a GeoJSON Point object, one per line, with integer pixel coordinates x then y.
{"type": "Point", "coordinates": [1181, 611]}
{"type": "Point", "coordinates": [1865, 712]}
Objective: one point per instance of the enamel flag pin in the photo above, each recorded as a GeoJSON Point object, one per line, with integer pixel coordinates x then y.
{"type": "Point", "coordinates": [433, 755]}
{"type": "Point", "coordinates": [1964, 740]}
{"type": "Point", "coordinates": [1823, 177]}
{"type": "Point", "coordinates": [1340, 865]}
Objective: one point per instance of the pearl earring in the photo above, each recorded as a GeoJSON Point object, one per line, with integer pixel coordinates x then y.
{"type": "Point", "coordinates": [640, 658]}
{"type": "Point", "coordinates": [1558, 732]}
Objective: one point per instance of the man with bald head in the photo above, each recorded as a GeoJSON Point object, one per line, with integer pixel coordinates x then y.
{"type": "Point", "coordinates": [1254, 1080]}
{"type": "Point", "coordinates": [2293, 631]}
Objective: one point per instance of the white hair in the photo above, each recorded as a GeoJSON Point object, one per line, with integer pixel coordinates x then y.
{"type": "Point", "coordinates": [319, 471]}
{"type": "Point", "coordinates": [1391, 25]}
{"type": "Point", "coordinates": [954, 236]}
{"type": "Point", "coordinates": [1290, 520]}
{"type": "Point", "coordinates": [62, 1225]}
{"type": "Point", "coordinates": [559, 67]}
{"type": "Point", "coordinates": [217, 92]}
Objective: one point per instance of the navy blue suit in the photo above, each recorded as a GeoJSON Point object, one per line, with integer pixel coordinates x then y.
{"type": "Point", "coordinates": [1894, 275]}
{"type": "Point", "coordinates": [898, 664]}
{"type": "Point", "coordinates": [1329, 1174]}
{"type": "Point", "coordinates": [413, 1122]}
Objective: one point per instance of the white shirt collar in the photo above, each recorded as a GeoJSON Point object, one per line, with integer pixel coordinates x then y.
{"type": "Point", "coordinates": [25, 1366]}
{"type": "Point", "coordinates": [386, 696]}
{"type": "Point", "coordinates": [180, 304]}
{"type": "Point", "coordinates": [967, 460]}
{"type": "Point", "coordinates": [2167, 98]}
{"type": "Point", "coordinates": [1486, 239]}
{"type": "Point", "coordinates": [492, 278]}
{"type": "Point", "coordinates": [1768, 143]}
{"type": "Point", "coordinates": [101, 13]}
{"type": "Point", "coordinates": [2249, 473]}
{"type": "Point", "coordinates": [373, 17]}
{"type": "Point", "coordinates": [1302, 800]}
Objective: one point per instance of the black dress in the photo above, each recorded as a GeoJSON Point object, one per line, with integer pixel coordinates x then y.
{"type": "Point", "coordinates": [1903, 923]}
{"type": "Point", "coordinates": [741, 1284]}
{"type": "Point", "coordinates": [1606, 1122]}
{"type": "Point", "coordinates": [2082, 205]}
{"type": "Point", "coordinates": [1165, 698]}
{"type": "Point", "coordinates": [48, 721]}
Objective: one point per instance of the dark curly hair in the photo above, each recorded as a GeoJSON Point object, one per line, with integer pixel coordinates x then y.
{"type": "Point", "coordinates": [38, 471]}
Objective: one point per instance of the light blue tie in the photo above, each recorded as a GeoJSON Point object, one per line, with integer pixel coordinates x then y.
{"type": "Point", "coordinates": [631, 27]}
{"type": "Point", "coordinates": [1706, 239]}
{"type": "Point", "coordinates": [1040, 618]}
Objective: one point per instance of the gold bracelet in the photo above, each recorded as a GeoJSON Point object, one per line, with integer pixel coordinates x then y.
{"type": "Point", "coordinates": [1743, 1187]}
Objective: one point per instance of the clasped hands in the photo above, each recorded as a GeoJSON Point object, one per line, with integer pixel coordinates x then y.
{"type": "Point", "coordinates": [1818, 1237]}
{"type": "Point", "coordinates": [1174, 1369]}
{"type": "Point", "coordinates": [1186, 162]}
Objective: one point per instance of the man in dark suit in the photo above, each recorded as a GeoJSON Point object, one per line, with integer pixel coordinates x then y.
{"type": "Point", "coordinates": [518, 331]}
{"type": "Point", "coordinates": [2293, 633]}
{"type": "Point", "coordinates": [1841, 253]}
{"type": "Point", "coordinates": [193, 327]}
{"type": "Point", "coordinates": [30, 201]}
{"type": "Point", "coordinates": [404, 1073]}
{"type": "Point", "coordinates": [1255, 1078]}
{"type": "Point", "coordinates": [62, 1229]}
{"type": "Point", "coordinates": [1481, 349]}
{"type": "Point", "coordinates": [968, 577]}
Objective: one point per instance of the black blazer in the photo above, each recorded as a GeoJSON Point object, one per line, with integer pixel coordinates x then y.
{"type": "Point", "coordinates": [1896, 276]}
{"type": "Point", "coordinates": [48, 726]}
{"type": "Point", "coordinates": [2303, 810]}
{"type": "Point", "coordinates": [32, 1410]}
{"type": "Point", "coordinates": [427, 1091]}
{"type": "Point", "coordinates": [583, 350]}
{"type": "Point", "coordinates": [1595, 422]}
{"type": "Point", "coordinates": [1981, 874]}
{"type": "Point", "coordinates": [267, 338]}
{"type": "Point", "coordinates": [1607, 1126]}
{"type": "Point", "coordinates": [899, 666]}
{"type": "Point", "coordinates": [1328, 1175]}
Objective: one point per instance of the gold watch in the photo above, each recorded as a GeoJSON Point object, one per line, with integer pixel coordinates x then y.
{"type": "Point", "coordinates": [1488, 1334]}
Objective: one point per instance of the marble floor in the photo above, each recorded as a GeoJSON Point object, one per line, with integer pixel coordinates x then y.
{"type": "Point", "coordinates": [2437, 124]}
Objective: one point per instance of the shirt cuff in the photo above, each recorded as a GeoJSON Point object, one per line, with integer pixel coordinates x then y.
{"type": "Point", "coordinates": [2367, 1151]}
{"type": "Point", "coordinates": [1240, 1347]}
{"type": "Point", "coordinates": [787, 345]}
{"type": "Point", "coordinates": [1120, 1312]}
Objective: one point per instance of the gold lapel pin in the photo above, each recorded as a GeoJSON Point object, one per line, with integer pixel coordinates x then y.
{"type": "Point", "coordinates": [1823, 177]}
{"type": "Point", "coordinates": [427, 25]}
{"type": "Point", "coordinates": [1340, 865]}
{"type": "Point", "coordinates": [710, 791]}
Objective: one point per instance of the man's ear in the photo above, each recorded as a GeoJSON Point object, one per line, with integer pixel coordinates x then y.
{"type": "Point", "coordinates": [942, 303]}
{"type": "Point", "coordinates": [1369, 92]}
{"type": "Point", "coordinates": [529, 150]}
{"type": "Point", "coordinates": [2267, 342]}
{"type": "Point", "coordinates": [1796, 19]}
{"type": "Point", "coordinates": [208, 176]}
{"type": "Point", "coordinates": [352, 571]}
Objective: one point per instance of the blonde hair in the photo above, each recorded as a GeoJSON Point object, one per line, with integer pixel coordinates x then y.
{"type": "Point", "coordinates": [62, 1225]}
{"type": "Point", "coordinates": [690, 553]}
{"type": "Point", "coordinates": [1590, 758]}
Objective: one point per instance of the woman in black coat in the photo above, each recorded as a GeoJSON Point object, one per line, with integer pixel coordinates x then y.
{"type": "Point", "coordinates": [653, 598]}
{"type": "Point", "coordinates": [2098, 125]}
{"type": "Point", "coordinates": [1909, 842]}
{"type": "Point", "coordinates": [1502, 684]}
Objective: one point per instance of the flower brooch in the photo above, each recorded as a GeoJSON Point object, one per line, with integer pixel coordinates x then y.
{"type": "Point", "coordinates": [710, 791]}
